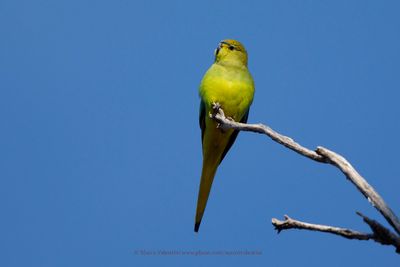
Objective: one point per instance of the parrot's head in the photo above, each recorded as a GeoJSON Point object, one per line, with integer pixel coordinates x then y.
{"type": "Point", "coordinates": [231, 51]}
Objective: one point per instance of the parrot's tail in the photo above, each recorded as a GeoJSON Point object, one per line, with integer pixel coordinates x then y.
{"type": "Point", "coordinates": [210, 166]}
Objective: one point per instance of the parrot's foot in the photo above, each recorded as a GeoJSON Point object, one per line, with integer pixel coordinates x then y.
{"type": "Point", "coordinates": [216, 106]}
{"type": "Point", "coordinates": [218, 111]}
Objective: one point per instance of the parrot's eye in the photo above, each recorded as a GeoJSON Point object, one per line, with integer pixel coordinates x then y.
{"type": "Point", "coordinates": [231, 47]}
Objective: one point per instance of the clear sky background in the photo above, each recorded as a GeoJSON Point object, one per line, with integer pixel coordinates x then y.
{"type": "Point", "coordinates": [100, 152]}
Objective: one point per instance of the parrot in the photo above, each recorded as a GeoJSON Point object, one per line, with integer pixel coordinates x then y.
{"type": "Point", "coordinates": [229, 83]}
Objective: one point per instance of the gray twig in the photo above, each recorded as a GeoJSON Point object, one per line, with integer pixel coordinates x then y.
{"type": "Point", "coordinates": [290, 223]}
{"type": "Point", "coordinates": [380, 233]}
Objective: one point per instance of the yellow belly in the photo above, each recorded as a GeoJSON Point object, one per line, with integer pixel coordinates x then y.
{"type": "Point", "coordinates": [232, 88]}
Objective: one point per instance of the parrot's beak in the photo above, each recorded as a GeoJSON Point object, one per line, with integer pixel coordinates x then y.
{"type": "Point", "coordinates": [218, 48]}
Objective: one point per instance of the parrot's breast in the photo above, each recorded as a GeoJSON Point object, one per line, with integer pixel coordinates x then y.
{"type": "Point", "coordinates": [232, 88]}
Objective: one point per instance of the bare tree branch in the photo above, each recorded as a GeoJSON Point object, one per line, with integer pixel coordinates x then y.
{"type": "Point", "coordinates": [362, 185]}
{"type": "Point", "coordinates": [290, 223]}
{"type": "Point", "coordinates": [380, 233]}
{"type": "Point", "coordinates": [219, 116]}
{"type": "Point", "coordinates": [324, 155]}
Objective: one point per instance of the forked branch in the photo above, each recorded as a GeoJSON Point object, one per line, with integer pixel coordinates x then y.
{"type": "Point", "coordinates": [380, 233]}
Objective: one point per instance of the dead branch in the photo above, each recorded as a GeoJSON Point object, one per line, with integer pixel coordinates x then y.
{"type": "Point", "coordinates": [323, 155]}
{"type": "Point", "coordinates": [380, 234]}
{"type": "Point", "coordinates": [290, 223]}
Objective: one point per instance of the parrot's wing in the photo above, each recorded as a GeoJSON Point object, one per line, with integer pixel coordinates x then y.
{"type": "Point", "coordinates": [234, 135]}
{"type": "Point", "coordinates": [202, 119]}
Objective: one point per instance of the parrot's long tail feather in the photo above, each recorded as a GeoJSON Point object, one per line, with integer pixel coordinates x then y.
{"type": "Point", "coordinates": [210, 166]}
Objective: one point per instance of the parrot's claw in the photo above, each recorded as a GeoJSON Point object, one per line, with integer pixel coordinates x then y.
{"type": "Point", "coordinates": [216, 109]}
{"type": "Point", "coordinates": [216, 106]}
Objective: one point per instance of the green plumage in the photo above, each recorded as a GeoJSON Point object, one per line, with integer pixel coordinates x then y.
{"type": "Point", "coordinates": [229, 83]}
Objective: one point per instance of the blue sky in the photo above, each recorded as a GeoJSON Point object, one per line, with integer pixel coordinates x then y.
{"type": "Point", "coordinates": [100, 151]}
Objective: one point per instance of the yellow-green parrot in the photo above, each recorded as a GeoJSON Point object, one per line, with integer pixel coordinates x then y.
{"type": "Point", "coordinates": [229, 83]}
